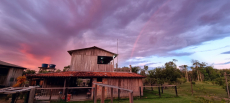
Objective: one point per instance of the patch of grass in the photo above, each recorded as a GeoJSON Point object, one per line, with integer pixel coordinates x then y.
{"type": "Point", "coordinates": [203, 92]}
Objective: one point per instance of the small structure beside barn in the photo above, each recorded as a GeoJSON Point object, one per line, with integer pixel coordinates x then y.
{"type": "Point", "coordinates": [9, 73]}
{"type": "Point", "coordinates": [95, 65]}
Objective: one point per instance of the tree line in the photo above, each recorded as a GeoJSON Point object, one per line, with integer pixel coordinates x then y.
{"type": "Point", "coordinates": [171, 74]}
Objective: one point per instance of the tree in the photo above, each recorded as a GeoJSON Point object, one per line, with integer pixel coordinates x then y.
{"type": "Point", "coordinates": [58, 70]}
{"type": "Point", "coordinates": [186, 71]}
{"type": "Point", "coordinates": [20, 81]}
{"type": "Point", "coordinates": [28, 71]}
{"type": "Point", "coordinates": [66, 68]}
{"type": "Point", "coordinates": [135, 69]}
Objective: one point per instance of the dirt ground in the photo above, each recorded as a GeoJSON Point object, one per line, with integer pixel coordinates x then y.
{"type": "Point", "coordinates": [8, 101]}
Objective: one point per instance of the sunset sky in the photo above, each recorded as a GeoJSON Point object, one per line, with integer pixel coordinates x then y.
{"type": "Point", "coordinates": [149, 32]}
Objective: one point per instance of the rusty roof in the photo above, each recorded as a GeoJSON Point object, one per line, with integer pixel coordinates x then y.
{"type": "Point", "coordinates": [2, 63]}
{"type": "Point", "coordinates": [71, 51]}
{"type": "Point", "coordinates": [88, 74]}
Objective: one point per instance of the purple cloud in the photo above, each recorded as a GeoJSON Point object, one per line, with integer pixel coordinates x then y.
{"type": "Point", "coordinates": [227, 52]}
{"type": "Point", "coordinates": [42, 31]}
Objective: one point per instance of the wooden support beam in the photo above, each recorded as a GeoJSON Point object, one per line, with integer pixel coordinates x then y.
{"type": "Point", "coordinates": [140, 91]}
{"type": "Point", "coordinates": [111, 95]}
{"type": "Point", "coordinates": [103, 95]}
{"type": "Point", "coordinates": [64, 86]}
{"type": "Point", "coordinates": [13, 98]}
{"type": "Point", "coordinates": [32, 95]}
{"type": "Point", "coordinates": [159, 91]}
{"type": "Point", "coordinates": [95, 94]}
{"type": "Point", "coordinates": [119, 94]}
{"type": "Point", "coordinates": [50, 94]}
{"type": "Point", "coordinates": [131, 97]}
{"type": "Point", "coordinates": [27, 97]}
{"type": "Point", "coordinates": [176, 90]}
{"type": "Point", "coordinates": [66, 92]}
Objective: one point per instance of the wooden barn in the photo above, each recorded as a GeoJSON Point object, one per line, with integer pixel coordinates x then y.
{"type": "Point", "coordinates": [97, 66]}
{"type": "Point", "coordinates": [9, 73]}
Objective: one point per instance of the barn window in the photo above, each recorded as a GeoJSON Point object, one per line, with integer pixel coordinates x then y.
{"type": "Point", "coordinates": [99, 79]}
{"type": "Point", "coordinates": [104, 59]}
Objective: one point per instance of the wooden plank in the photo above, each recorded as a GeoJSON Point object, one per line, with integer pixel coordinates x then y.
{"type": "Point", "coordinates": [111, 95]}
{"type": "Point", "coordinates": [113, 87]}
{"type": "Point", "coordinates": [64, 86]}
{"type": "Point", "coordinates": [95, 94]}
{"type": "Point", "coordinates": [131, 97]}
{"type": "Point", "coordinates": [140, 91]}
{"type": "Point", "coordinates": [66, 92]}
{"type": "Point", "coordinates": [13, 98]}
{"type": "Point", "coordinates": [31, 96]}
{"type": "Point", "coordinates": [27, 97]}
{"type": "Point", "coordinates": [50, 94]}
{"type": "Point", "coordinates": [103, 95]}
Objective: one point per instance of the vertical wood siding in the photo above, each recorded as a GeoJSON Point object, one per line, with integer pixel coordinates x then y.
{"type": "Point", "coordinates": [86, 60]}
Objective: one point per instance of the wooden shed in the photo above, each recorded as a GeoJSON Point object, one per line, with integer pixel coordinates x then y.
{"type": "Point", "coordinates": [96, 65]}
{"type": "Point", "coordinates": [9, 73]}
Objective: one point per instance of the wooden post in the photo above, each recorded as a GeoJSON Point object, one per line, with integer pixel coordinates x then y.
{"type": "Point", "coordinates": [131, 97]}
{"type": "Point", "coordinates": [191, 85]}
{"type": "Point", "coordinates": [32, 94]}
{"type": "Point", "coordinates": [140, 92]}
{"type": "Point", "coordinates": [66, 92]}
{"type": "Point", "coordinates": [103, 95]}
{"type": "Point", "coordinates": [64, 86]}
{"type": "Point", "coordinates": [159, 90]}
{"type": "Point", "coordinates": [50, 94]}
{"type": "Point", "coordinates": [226, 79]}
{"type": "Point", "coordinates": [176, 90]}
{"type": "Point", "coordinates": [111, 95]}
{"type": "Point", "coordinates": [13, 98]}
{"type": "Point", "coordinates": [95, 94]}
{"type": "Point", "coordinates": [27, 97]}
{"type": "Point", "coordinates": [119, 94]}
{"type": "Point", "coordinates": [162, 89]}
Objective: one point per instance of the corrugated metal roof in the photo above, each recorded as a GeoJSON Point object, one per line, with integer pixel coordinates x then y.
{"type": "Point", "coordinates": [10, 65]}
{"type": "Point", "coordinates": [71, 51]}
{"type": "Point", "coordinates": [88, 74]}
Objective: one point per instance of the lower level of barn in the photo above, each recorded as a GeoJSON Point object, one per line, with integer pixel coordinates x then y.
{"type": "Point", "coordinates": [86, 80]}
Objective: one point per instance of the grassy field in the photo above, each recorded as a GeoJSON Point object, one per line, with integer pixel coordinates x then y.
{"type": "Point", "coordinates": [203, 92]}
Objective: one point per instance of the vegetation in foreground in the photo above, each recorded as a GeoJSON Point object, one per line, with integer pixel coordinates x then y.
{"type": "Point", "coordinates": [204, 92]}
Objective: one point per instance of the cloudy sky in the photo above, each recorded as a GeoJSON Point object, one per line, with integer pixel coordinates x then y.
{"type": "Point", "coordinates": [150, 32]}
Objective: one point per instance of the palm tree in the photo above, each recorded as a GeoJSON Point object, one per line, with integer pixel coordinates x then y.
{"type": "Point", "coordinates": [196, 63]}
{"type": "Point", "coordinates": [185, 67]}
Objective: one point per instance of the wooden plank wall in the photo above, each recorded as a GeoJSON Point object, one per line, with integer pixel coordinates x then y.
{"type": "Point", "coordinates": [86, 60]}
{"type": "Point", "coordinates": [127, 83]}
{"type": "Point", "coordinates": [13, 73]}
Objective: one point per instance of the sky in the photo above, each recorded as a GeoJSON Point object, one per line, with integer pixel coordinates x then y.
{"type": "Point", "coordinates": [149, 32]}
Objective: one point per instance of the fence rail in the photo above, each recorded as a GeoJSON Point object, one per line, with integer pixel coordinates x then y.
{"type": "Point", "coordinates": [111, 86]}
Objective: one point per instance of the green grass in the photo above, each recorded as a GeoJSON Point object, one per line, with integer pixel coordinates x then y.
{"type": "Point", "coordinates": [203, 92]}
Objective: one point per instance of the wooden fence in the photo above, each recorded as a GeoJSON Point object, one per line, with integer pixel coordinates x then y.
{"type": "Point", "coordinates": [50, 91]}
{"type": "Point", "coordinates": [110, 86]}
{"type": "Point", "coordinates": [160, 87]}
